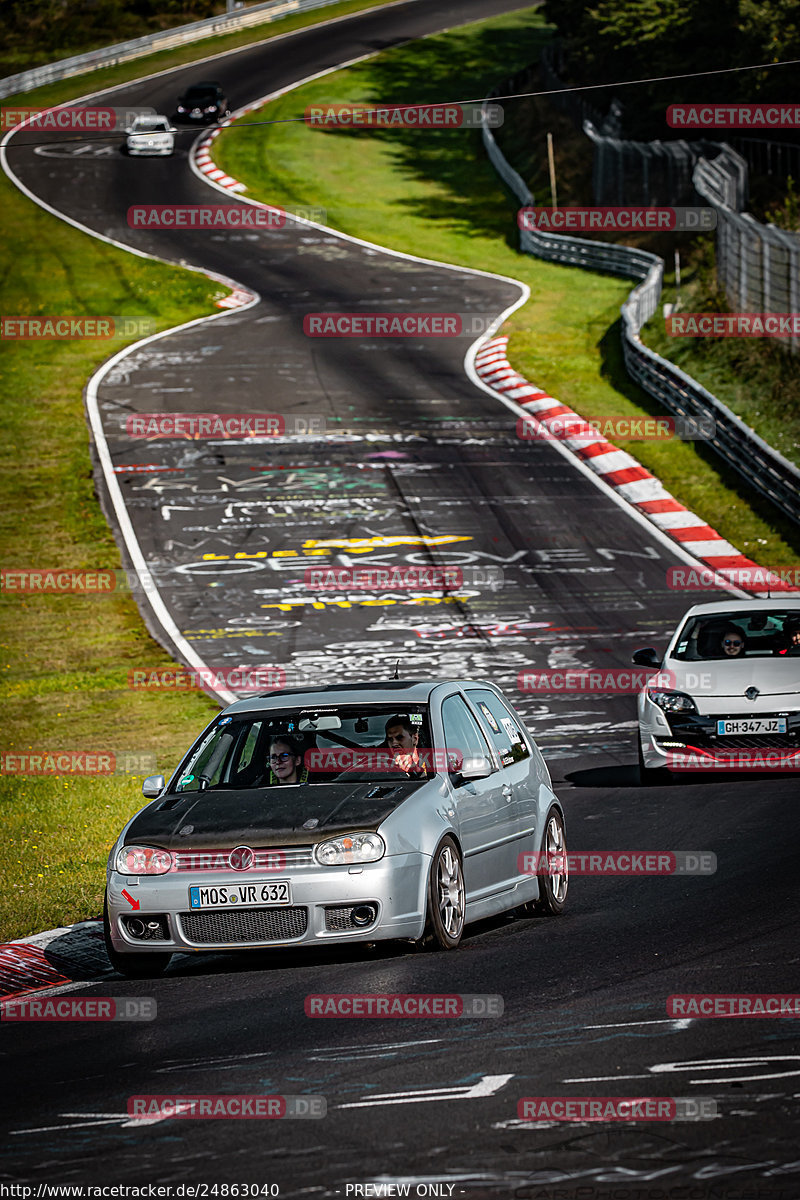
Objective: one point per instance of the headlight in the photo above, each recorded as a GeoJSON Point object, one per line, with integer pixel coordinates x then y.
{"type": "Point", "coordinates": [143, 860]}
{"type": "Point", "coordinates": [211, 108]}
{"type": "Point", "coordinates": [350, 848]}
{"type": "Point", "coordinates": [181, 108]}
{"type": "Point", "coordinates": [673, 701]}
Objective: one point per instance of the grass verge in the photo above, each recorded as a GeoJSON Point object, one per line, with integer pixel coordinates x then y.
{"type": "Point", "coordinates": [65, 659]}
{"type": "Point", "coordinates": [164, 60]}
{"type": "Point", "coordinates": [436, 195]}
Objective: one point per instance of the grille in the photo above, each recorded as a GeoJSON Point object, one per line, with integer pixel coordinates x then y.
{"type": "Point", "coordinates": [276, 859]}
{"type": "Point", "coordinates": [244, 925]}
{"type": "Point", "coordinates": [339, 918]}
{"type": "Point", "coordinates": [754, 741]}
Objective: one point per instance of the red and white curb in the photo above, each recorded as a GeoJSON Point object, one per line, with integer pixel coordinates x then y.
{"type": "Point", "coordinates": [56, 958]}
{"type": "Point", "coordinates": [201, 153]}
{"type": "Point", "coordinates": [631, 481]}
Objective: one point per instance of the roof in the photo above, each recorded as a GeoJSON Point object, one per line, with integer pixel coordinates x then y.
{"type": "Point", "coordinates": [397, 692]}
{"type": "Point", "coordinates": [780, 603]}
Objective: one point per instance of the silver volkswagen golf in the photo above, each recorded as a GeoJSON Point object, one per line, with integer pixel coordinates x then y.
{"type": "Point", "coordinates": [354, 812]}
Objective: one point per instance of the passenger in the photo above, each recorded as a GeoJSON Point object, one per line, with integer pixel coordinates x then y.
{"type": "Point", "coordinates": [791, 633]}
{"type": "Point", "coordinates": [402, 738]}
{"type": "Point", "coordinates": [285, 763]}
{"type": "Point", "coordinates": [731, 642]}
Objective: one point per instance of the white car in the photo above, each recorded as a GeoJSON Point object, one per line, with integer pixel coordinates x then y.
{"type": "Point", "coordinates": [151, 135]}
{"type": "Point", "coordinates": [727, 692]}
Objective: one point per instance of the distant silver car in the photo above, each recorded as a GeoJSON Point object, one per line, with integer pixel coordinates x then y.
{"type": "Point", "coordinates": [727, 693]}
{"type": "Point", "coordinates": [355, 812]}
{"type": "Point", "coordinates": [151, 135]}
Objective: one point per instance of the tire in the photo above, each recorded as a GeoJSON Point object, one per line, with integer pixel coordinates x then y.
{"type": "Point", "coordinates": [446, 899]}
{"type": "Point", "coordinates": [132, 966]}
{"type": "Point", "coordinates": [552, 887]}
{"type": "Point", "coordinates": [651, 776]}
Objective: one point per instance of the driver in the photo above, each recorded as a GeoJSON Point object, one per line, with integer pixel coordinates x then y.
{"type": "Point", "coordinates": [791, 633]}
{"type": "Point", "coordinates": [402, 739]}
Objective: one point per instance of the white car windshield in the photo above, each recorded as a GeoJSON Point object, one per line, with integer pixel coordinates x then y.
{"type": "Point", "coordinates": [760, 633]}
{"type": "Point", "coordinates": [151, 125]}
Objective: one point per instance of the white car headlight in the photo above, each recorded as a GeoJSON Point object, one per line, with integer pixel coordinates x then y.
{"type": "Point", "coordinates": [143, 860]}
{"type": "Point", "coordinates": [350, 848]}
{"type": "Point", "coordinates": [673, 701]}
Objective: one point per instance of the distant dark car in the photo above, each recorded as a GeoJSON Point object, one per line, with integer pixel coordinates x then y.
{"type": "Point", "coordinates": [202, 102]}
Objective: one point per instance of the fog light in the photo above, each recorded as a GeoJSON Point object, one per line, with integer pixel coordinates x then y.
{"type": "Point", "coordinates": [363, 915]}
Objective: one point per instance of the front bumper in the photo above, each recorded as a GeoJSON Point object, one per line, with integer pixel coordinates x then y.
{"type": "Point", "coordinates": [689, 741]}
{"type": "Point", "coordinates": [396, 886]}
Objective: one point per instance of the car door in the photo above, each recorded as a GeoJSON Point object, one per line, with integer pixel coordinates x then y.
{"type": "Point", "coordinates": [518, 768]}
{"type": "Point", "coordinates": [482, 805]}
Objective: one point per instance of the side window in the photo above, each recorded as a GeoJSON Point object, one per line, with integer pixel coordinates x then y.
{"type": "Point", "coordinates": [501, 725]}
{"type": "Point", "coordinates": [462, 737]}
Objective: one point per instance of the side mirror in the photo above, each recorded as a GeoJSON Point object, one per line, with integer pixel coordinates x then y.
{"type": "Point", "coordinates": [478, 767]}
{"type": "Point", "coordinates": [647, 657]}
{"type": "Point", "coordinates": [153, 786]}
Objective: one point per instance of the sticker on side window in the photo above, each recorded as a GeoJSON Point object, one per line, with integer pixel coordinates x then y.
{"type": "Point", "coordinates": [490, 717]}
{"type": "Point", "coordinates": [511, 729]}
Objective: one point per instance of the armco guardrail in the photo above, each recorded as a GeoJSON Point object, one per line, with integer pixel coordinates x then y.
{"type": "Point", "coordinates": [761, 466]}
{"type": "Point", "coordinates": [165, 39]}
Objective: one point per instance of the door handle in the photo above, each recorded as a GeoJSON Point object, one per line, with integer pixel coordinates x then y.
{"type": "Point", "coordinates": [507, 792]}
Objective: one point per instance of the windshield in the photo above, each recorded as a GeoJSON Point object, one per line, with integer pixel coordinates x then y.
{"type": "Point", "coordinates": [760, 633]}
{"type": "Point", "coordinates": [309, 746]}
{"type": "Point", "coordinates": [148, 124]}
{"type": "Point", "coordinates": [205, 94]}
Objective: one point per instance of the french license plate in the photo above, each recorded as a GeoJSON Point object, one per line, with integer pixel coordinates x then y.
{"type": "Point", "coordinates": [235, 895]}
{"type": "Point", "coordinates": [752, 725]}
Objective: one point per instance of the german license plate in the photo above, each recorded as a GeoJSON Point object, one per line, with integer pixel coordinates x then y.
{"type": "Point", "coordinates": [235, 895]}
{"type": "Point", "coordinates": [752, 725]}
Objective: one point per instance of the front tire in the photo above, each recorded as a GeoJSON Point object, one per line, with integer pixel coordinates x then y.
{"type": "Point", "coordinates": [446, 898]}
{"type": "Point", "coordinates": [132, 966]}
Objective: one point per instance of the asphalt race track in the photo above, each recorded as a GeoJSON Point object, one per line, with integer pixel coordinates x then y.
{"type": "Point", "coordinates": [428, 466]}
